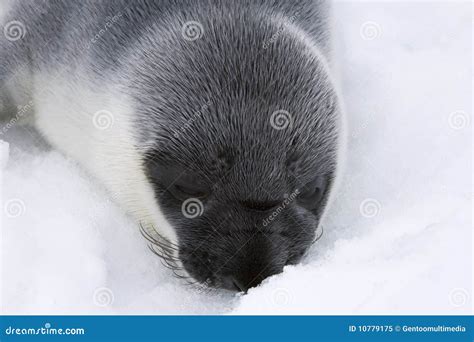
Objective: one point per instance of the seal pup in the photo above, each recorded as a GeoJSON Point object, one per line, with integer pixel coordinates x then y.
{"type": "Point", "coordinates": [216, 124]}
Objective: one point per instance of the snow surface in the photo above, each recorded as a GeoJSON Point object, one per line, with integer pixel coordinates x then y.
{"type": "Point", "coordinates": [398, 239]}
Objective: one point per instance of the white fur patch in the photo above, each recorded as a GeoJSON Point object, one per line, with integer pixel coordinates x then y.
{"type": "Point", "coordinates": [93, 125]}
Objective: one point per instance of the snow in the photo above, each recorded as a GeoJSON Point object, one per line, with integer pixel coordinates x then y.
{"type": "Point", "coordinates": [398, 239]}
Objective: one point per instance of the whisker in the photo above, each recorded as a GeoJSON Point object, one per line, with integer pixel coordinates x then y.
{"type": "Point", "coordinates": [172, 264]}
{"type": "Point", "coordinates": [166, 251]}
{"type": "Point", "coordinates": [170, 267]}
{"type": "Point", "coordinates": [162, 242]}
{"type": "Point", "coordinates": [179, 276]}
{"type": "Point", "coordinates": [162, 256]}
{"type": "Point", "coordinates": [160, 239]}
{"type": "Point", "coordinates": [191, 283]}
{"type": "Point", "coordinates": [320, 235]}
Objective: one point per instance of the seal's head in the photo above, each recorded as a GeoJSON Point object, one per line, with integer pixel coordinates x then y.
{"type": "Point", "coordinates": [243, 144]}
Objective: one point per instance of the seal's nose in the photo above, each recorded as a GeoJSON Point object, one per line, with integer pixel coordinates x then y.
{"type": "Point", "coordinates": [244, 281]}
{"type": "Point", "coordinates": [252, 265]}
{"type": "Point", "coordinates": [250, 276]}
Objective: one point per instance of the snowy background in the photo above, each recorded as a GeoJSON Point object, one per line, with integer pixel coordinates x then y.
{"type": "Point", "coordinates": [398, 239]}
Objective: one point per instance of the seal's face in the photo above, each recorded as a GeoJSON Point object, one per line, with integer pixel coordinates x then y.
{"type": "Point", "coordinates": [243, 154]}
{"type": "Point", "coordinates": [245, 199]}
{"type": "Point", "coordinates": [240, 216]}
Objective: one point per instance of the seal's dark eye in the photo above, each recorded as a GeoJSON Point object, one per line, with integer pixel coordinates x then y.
{"type": "Point", "coordinates": [312, 193]}
{"type": "Point", "coordinates": [189, 185]}
{"type": "Point", "coordinates": [183, 191]}
{"type": "Point", "coordinates": [178, 181]}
